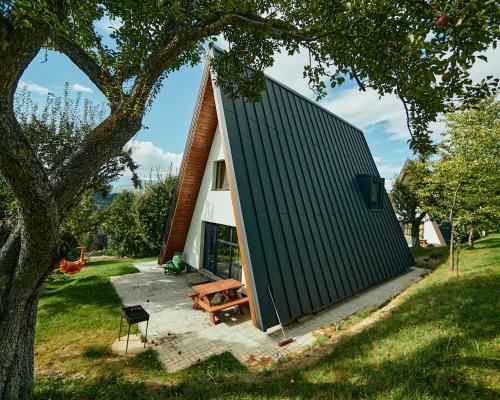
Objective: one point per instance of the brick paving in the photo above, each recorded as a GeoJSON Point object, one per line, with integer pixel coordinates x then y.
{"type": "Point", "coordinates": [185, 336]}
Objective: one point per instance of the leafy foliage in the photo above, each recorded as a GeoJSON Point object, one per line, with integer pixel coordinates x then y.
{"type": "Point", "coordinates": [470, 158]}
{"type": "Point", "coordinates": [404, 48]}
{"type": "Point", "coordinates": [59, 127]}
{"type": "Point", "coordinates": [463, 187]}
{"type": "Point", "coordinates": [54, 131]}
{"type": "Point", "coordinates": [421, 51]}
{"type": "Point", "coordinates": [152, 206]}
{"type": "Point", "coordinates": [135, 220]}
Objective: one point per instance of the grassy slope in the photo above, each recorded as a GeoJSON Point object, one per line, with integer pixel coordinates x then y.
{"type": "Point", "coordinates": [440, 342]}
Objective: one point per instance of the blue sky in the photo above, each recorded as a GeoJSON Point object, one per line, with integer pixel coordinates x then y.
{"type": "Point", "coordinates": [168, 120]}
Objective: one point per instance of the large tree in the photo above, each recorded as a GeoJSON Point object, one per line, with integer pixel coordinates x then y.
{"type": "Point", "coordinates": [420, 50]}
{"type": "Point", "coordinates": [464, 186]}
{"type": "Point", "coordinates": [406, 197]}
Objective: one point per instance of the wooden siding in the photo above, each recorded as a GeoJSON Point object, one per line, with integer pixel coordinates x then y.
{"type": "Point", "coordinates": [193, 166]}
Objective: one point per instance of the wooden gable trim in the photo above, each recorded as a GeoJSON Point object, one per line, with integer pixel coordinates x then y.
{"type": "Point", "coordinates": [194, 161]}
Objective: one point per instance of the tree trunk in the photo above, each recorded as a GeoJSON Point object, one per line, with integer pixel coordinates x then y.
{"type": "Point", "coordinates": [452, 225]}
{"type": "Point", "coordinates": [17, 343]}
{"type": "Point", "coordinates": [452, 248]}
{"type": "Point", "coordinates": [24, 266]}
{"type": "Point", "coordinates": [470, 242]}
{"type": "Point", "coordinates": [415, 235]}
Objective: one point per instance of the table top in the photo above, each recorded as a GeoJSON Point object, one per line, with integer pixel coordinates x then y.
{"type": "Point", "coordinates": [217, 286]}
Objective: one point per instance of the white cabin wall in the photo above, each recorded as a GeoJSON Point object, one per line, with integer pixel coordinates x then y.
{"type": "Point", "coordinates": [430, 234]}
{"type": "Point", "coordinates": [211, 206]}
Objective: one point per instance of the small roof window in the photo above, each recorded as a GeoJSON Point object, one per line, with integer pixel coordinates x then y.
{"type": "Point", "coordinates": [372, 189]}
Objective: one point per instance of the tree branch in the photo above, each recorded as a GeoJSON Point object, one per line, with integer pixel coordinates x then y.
{"type": "Point", "coordinates": [358, 81]}
{"type": "Point", "coordinates": [407, 112]}
{"type": "Point", "coordinates": [100, 145]}
{"type": "Point", "coordinates": [180, 38]}
{"type": "Point", "coordinates": [97, 74]}
{"type": "Point", "coordinates": [106, 140]}
{"type": "Point", "coordinates": [421, 216]}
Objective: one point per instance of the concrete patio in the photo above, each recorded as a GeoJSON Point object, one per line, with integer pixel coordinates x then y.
{"type": "Point", "coordinates": [185, 336]}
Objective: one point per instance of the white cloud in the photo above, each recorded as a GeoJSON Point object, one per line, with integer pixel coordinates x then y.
{"type": "Point", "coordinates": [289, 70]}
{"type": "Point", "coordinates": [389, 183]}
{"type": "Point", "coordinates": [77, 87]}
{"type": "Point", "coordinates": [109, 24]}
{"type": "Point", "coordinates": [482, 69]}
{"type": "Point", "coordinates": [34, 87]}
{"type": "Point", "coordinates": [150, 157]}
{"type": "Point", "coordinates": [365, 110]}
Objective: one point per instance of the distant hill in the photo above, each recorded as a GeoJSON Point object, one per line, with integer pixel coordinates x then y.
{"type": "Point", "coordinates": [104, 201]}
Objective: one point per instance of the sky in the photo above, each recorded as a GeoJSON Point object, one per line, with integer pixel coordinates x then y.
{"type": "Point", "coordinates": [159, 145]}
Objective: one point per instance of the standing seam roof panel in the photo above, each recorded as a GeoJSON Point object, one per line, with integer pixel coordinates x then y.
{"type": "Point", "coordinates": [317, 129]}
{"type": "Point", "coordinates": [277, 183]}
{"type": "Point", "coordinates": [275, 278]}
{"type": "Point", "coordinates": [283, 263]}
{"type": "Point", "coordinates": [311, 238]}
{"type": "Point", "coordinates": [306, 161]}
{"type": "Point", "coordinates": [299, 201]}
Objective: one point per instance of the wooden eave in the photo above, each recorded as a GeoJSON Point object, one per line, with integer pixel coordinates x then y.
{"type": "Point", "coordinates": [192, 168]}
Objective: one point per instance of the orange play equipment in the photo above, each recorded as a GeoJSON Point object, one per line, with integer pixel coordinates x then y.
{"type": "Point", "coordinates": [72, 267]}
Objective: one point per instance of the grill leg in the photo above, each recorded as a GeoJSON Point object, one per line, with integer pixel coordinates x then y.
{"type": "Point", "coordinates": [120, 333]}
{"type": "Point", "coordinates": [146, 337]}
{"type": "Point", "coordinates": [128, 336]}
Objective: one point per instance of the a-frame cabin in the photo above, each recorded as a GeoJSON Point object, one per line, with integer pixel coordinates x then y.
{"type": "Point", "coordinates": [284, 196]}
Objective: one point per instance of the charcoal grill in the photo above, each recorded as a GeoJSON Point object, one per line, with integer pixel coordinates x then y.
{"type": "Point", "coordinates": [133, 315]}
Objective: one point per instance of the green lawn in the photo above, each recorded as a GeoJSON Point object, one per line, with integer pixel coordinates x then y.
{"type": "Point", "coordinates": [439, 341]}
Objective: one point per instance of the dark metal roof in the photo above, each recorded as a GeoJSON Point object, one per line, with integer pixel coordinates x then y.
{"type": "Point", "coordinates": [311, 237]}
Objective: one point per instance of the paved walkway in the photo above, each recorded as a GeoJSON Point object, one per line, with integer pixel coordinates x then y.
{"type": "Point", "coordinates": [185, 336]}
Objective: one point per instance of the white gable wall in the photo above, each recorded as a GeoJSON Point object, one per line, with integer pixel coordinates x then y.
{"type": "Point", "coordinates": [430, 233]}
{"type": "Point", "coordinates": [212, 206]}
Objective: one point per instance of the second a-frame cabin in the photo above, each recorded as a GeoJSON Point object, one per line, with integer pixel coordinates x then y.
{"type": "Point", "coordinates": [284, 196]}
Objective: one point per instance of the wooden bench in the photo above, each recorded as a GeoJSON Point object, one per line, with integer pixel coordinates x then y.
{"type": "Point", "coordinates": [213, 309]}
{"type": "Point", "coordinates": [204, 294]}
{"type": "Point", "coordinates": [193, 295]}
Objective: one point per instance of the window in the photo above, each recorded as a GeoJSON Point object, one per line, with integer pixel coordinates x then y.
{"type": "Point", "coordinates": [220, 176]}
{"type": "Point", "coordinates": [221, 251]}
{"type": "Point", "coordinates": [407, 232]}
{"type": "Point", "coordinates": [372, 189]}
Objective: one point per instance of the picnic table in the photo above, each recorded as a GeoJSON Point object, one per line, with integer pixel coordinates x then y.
{"type": "Point", "coordinates": [204, 294]}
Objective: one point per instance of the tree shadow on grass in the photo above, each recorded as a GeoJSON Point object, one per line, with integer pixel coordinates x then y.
{"type": "Point", "coordinates": [424, 373]}
{"type": "Point", "coordinates": [488, 243]}
{"type": "Point", "coordinates": [110, 261]}
{"type": "Point", "coordinates": [441, 365]}
{"type": "Point", "coordinates": [92, 291]}
{"type": "Point", "coordinates": [432, 346]}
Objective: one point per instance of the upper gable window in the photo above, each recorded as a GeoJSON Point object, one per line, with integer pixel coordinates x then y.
{"type": "Point", "coordinates": [220, 176]}
{"type": "Point", "coordinates": [372, 188]}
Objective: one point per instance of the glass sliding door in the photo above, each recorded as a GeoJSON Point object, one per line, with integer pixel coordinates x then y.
{"type": "Point", "coordinates": [221, 254]}
{"type": "Point", "coordinates": [210, 248]}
